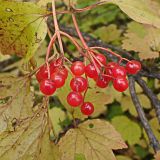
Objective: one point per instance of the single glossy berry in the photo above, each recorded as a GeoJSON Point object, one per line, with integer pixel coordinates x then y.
{"type": "Point", "coordinates": [90, 71]}
{"type": "Point", "coordinates": [120, 84]}
{"type": "Point", "coordinates": [111, 65]}
{"type": "Point", "coordinates": [63, 71]}
{"type": "Point", "coordinates": [101, 58]}
{"type": "Point", "coordinates": [79, 84]}
{"type": "Point", "coordinates": [119, 71]}
{"type": "Point", "coordinates": [55, 63]}
{"type": "Point", "coordinates": [42, 73]}
{"type": "Point", "coordinates": [47, 87]}
{"type": "Point", "coordinates": [58, 79]}
{"type": "Point", "coordinates": [109, 69]}
{"type": "Point", "coordinates": [133, 67]}
{"type": "Point", "coordinates": [74, 99]}
{"type": "Point", "coordinates": [102, 81]}
{"type": "Point", "coordinates": [87, 108]}
{"type": "Point", "coordinates": [77, 68]}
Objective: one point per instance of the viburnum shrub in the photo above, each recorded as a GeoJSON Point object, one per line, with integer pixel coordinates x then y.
{"type": "Point", "coordinates": [53, 74]}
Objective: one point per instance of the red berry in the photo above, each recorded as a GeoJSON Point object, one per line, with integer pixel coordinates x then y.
{"type": "Point", "coordinates": [58, 79]}
{"type": "Point", "coordinates": [120, 84]}
{"type": "Point", "coordinates": [102, 81]}
{"type": "Point", "coordinates": [79, 84]}
{"type": "Point", "coordinates": [87, 108]}
{"type": "Point", "coordinates": [77, 68]}
{"type": "Point", "coordinates": [63, 71]}
{"type": "Point", "coordinates": [47, 87]}
{"type": "Point", "coordinates": [101, 58]}
{"type": "Point", "coordinates": [42, 73]}
{"type": "Point", "coordinates": [90, 71]}
{"type": "Point", "coordinates": [133, 67]}
{"type": "Point", "coordinates": [74, 99]}
{"type": "Point", "coordinates": [119, 71]}
{"type": "Point", "coordinates": [109, 68]}
{"type": "Point", "coordinates": [112, 65]}
{"type": "Point", "coordinates": [55, 63]}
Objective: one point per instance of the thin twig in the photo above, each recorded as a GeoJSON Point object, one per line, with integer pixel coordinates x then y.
{"type": "Point", "coordinates": [153, 140]}
{"type": "Point", "coordinates": [153, 98]}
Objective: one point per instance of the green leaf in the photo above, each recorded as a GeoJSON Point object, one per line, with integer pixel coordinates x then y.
{"type": "Point", "coordinates": [155, 128]}
{"type": "Point", "coordinates": [148, 36]}
{"type": "Point", "coordinates": [95, 139]}
{"type": "Point", "coordinates": [112, 34]}
{"type": "Point", "coordinates": [141, 151]}
{"type": "Point", "coordinates": [114, 110]}
{"type": "Point", "coordinates": [57, 116]}
{"type": "Point", "coordinates": [143, 11]}
{"type": "Point", "coordinates": [22, 28]}
{"type": "Point", "coordinates": [127, 127]}
{"type": "Point", "coordinates": [79, 157]}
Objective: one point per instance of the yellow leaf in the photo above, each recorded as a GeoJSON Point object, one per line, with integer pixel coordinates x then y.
{"type": "Point", "coordinates": [143, 39]}
{"type": "Point", "coordinates": [142, 11]}
{"type": "Point", "coordinates": [57, 116]}
{"type": "Point", "coordinates": [111, 33]}
{"type": "Point", "coordinates": [16, 101]}
{"type": "Point", "coordinates": [24, 131]}
{"type": "Point", "coordinates": [127, 104]}
{"type": "Point", "coordinates": [43, 2]}
{"type": "Point", "coordinates": [95, 139]}
{"type": "Point", "coordinates": [29, 140]}
{"type": "Point", "coordinates": [122, 158]}
{"type": "Point", "coordinates": [22, 28]}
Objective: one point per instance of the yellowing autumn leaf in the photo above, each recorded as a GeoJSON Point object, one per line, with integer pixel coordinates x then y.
{"type": "Point", "coordinates": [155, 128]}
{"type": "Point", "coordinates": [57, 116]}
{"type": "Point", "coordinates": [143, 11]}
{"type": "Point", "coordinates": [43, 2]}
{"type": "Point", "coordinates": [112, 34]}
{"type": "Point", "coordinates": [24, 133]}
{"type": "Point", "coordinates": [29, 140]}
{"type": "Point", "coordinates": [16, 101]}
{"type": "Point", "coordinates": [127, 104]}
{"type": "Point", "coordinates": [22, 28]}
{"type": "Point", "coordinates": [122, 158]}
{"type": "Point", "coordinates": [94, 139]}
{"type": "Point", "coordinates": [143, 39]}
{"type": "Point", "coordinates": [130, 131]}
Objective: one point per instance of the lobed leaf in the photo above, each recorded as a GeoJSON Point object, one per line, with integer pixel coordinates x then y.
{"type": "Point", "coordinates": [94, 139]}
{"type": "Point", "coordinates": [130, 131]}
{"type": "Point", "coordinates": [142, 11]}
{"type": "Point", "coordinates": [24, 133]}
{"type": "Point", "coordinates": [143, 39]}
{"type": "Point", "coordinates": [29, 141]}
{"type": "Point", "coordinates": [22, 28]}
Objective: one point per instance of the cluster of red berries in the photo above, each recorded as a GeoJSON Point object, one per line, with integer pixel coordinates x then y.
{"type": "Point", "coordinates": [57, 73]}
{"type": "Point", "coordinates": [100, 71]}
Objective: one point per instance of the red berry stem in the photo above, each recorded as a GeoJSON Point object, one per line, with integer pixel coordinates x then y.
{"type": "Point", "coordinates": [78, 31]}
